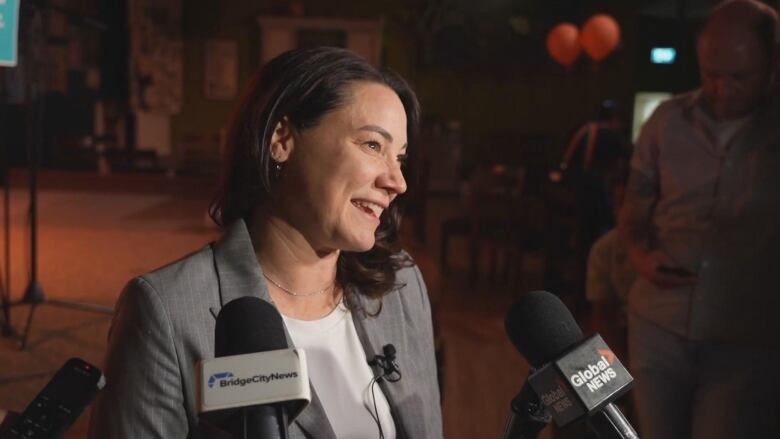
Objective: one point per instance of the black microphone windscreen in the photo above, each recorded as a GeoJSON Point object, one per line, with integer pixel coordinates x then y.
{"type": "Point", "coordinates": [247, 325]}
{"type": "Point", "coordinates": [541, 327]}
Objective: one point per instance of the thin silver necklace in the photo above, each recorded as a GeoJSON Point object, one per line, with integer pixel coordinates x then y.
{"type": "Point", "coordinates": [296, 294]}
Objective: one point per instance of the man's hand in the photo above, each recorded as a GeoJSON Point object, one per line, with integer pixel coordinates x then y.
{"type": "Point", "coordinates": [647, 264]}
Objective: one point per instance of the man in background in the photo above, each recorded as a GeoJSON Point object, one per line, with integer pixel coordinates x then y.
{"type": "Point", "coordinates": [701, 221]}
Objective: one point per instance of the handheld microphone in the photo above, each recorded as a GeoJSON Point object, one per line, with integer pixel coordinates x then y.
{"type": "Point", "coordinates": [257, 385]}
{"type": "Point", "coordinates": [573, 378]}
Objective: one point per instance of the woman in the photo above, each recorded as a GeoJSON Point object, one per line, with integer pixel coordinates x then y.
{"type": "Point", "coordinates": [314, 165]}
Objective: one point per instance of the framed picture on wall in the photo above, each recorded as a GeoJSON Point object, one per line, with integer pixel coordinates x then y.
{"type": "Point", "coordinates": [280, 34]}
{"type": "Point", "coordinates": [221, 70]}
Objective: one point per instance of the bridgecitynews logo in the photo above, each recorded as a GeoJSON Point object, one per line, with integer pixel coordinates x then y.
{"type": "Point", "coordinates": [227, 379]}
{"type": "Point", "coordinates": [596, 375]}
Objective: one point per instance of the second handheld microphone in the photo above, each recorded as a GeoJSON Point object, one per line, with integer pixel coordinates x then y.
{"type": "Point", "coordinates": [573, 378]}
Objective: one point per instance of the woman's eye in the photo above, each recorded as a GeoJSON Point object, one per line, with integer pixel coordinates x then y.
{"type": "Point", "coordinates": [403, 158]}
{"type": "Point", "coordinates": [376, 146]}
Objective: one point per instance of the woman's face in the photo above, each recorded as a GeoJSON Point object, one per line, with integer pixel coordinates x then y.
{"type": "Point", "coordinates": [342, 174]}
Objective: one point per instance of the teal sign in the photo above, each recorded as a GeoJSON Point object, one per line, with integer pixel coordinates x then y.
{"type": "Point", "coordinates": [9, 28]}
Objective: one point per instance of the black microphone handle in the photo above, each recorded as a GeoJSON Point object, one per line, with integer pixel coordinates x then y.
{"type": "Point", "coordinates": [609, 423]}
{"type": "Point", "coordinates": [527, 417]}
{"type": "Point", "coordinates": [520, 427]}
{"type": "Point", "coordinates": [263, 422]}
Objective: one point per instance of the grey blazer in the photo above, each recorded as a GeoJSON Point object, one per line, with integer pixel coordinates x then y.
{"type": "Point", "coordinates": [164, 324]}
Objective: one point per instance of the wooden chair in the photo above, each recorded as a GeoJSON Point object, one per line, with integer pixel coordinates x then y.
{"type": "Point", "coordinates": [492, 222]}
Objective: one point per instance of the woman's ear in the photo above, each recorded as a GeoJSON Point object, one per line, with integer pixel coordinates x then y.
{"type": "Point", "coordinates": [282, 141]}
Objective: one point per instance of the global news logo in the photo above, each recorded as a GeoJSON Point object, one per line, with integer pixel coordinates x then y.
{"type": "Point", "coordinates": [596, 375]}
{"type": "Point", "coordinates": [227, 379]}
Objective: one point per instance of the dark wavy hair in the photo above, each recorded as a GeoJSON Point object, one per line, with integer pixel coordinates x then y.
{"type": "Point", "coordinates": [304, 85]}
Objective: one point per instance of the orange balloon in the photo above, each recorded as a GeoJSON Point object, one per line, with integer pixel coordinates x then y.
{"type": "Point", "coordinates": [600, 36]}
{"type": "Point", "coordinates": [563, 44]}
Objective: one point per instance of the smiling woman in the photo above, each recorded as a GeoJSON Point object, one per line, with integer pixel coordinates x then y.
{"type": "Point", "coordinates": [348, 120]}
{"type": "Point", "coordinates": [339, 176]}
{"type": "Point", "coordinates": [313, 167]}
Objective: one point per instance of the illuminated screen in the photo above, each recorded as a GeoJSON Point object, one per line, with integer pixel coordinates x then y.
{"type": "Point", "coordinates": [663, 55]}
{"type": "Point", "coordinates": [645, 102]}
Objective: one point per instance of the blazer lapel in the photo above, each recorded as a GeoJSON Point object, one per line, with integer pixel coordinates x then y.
{"type": "Point", "coordinates": [239, 274]}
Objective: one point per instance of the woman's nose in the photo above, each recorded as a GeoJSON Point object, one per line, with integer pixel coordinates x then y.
{"type": "Point", "coordinates": [393, 180]}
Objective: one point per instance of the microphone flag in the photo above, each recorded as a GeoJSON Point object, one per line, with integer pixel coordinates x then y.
{"type": "Point", "coordinates": [581, 382]}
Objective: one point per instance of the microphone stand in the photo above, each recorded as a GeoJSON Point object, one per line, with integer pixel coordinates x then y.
{"type": "Point", "coordinates": [527, 416]}
{"type": "Point", "coordinates": [34, 295]}
{"type": "Point", "coordinates": [5, 288]}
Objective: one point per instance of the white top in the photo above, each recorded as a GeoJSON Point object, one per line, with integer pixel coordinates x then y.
{"type": "Point", "coordinates": [341, 376]}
